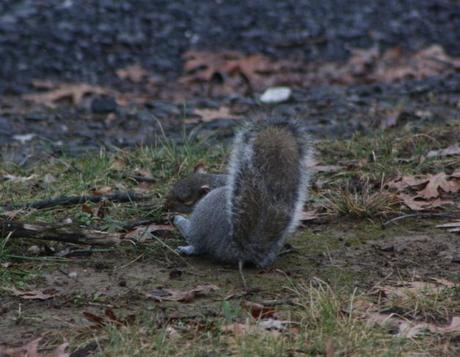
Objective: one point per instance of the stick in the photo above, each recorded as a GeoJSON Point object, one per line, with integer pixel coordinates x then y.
{"type": "Point", "coordinates": [68, 234]}
{"type": "Point", "coordinates": [142, 178]}
{"type": "Point", "coordinates": [240, 269]}
{"type": "Point", "coordinates": [411, 215]}
{"type": "Point", "coordinates": [75, 200]}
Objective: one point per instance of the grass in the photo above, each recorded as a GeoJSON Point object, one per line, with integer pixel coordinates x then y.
{"type": "Point", "coordinates": [317, 288]}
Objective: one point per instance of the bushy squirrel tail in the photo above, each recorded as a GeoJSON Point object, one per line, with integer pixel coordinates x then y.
{"type": "Point", "coordinates": [268, 183]}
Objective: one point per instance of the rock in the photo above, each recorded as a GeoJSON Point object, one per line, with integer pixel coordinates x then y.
{"type": "Point", "coordinates": [276, 95]}
{"type": "Point", "coordinates": [103, 105]}
{"type": "Point", "coordinates": [34, 250]}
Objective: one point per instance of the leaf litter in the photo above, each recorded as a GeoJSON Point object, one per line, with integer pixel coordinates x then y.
{"type": "Point", "coordinates": [31, 350]}
{"type": "Point", "coordinates": [184, 296]}
{"type": "Point", "coordinates": [429, 189]}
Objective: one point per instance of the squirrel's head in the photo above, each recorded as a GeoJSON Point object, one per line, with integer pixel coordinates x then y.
{"type": "Point", "coordinates": [186, 192]}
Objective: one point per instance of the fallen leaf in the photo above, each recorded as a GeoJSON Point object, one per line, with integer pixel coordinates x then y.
{"type": "Point", "coordinates": [449, 151]}
{"type": "Point", "coordinates": [405, 290]}
{"type": "Point", "coordinates": [45, 294]}
{"type": "Point", "coordinates": [28, 350]}
{"type": "Point", "coordinates": [257, 310]}
{"type": "Point", "coordinates": [401, 183]}
{"type": "Point", "coordinates": [418, 204]}
{"type": "Point", "coordinates": [410, 330]}
{"type": "Point", "coordinates": [208, 115]}
{"type": "Point", "coordinates": [250, 70]}
{"type": "Point", "coordinates": [109, 318]}
{"type": "Point", "coordinates": [72, 91]}
{"type": "Point", "coordinates": [134, 73]}
{"type": "Point", "coordinates": [103, 190]}
{"type": "Point", "coordinates": [446, 183]}
{"type": "Point", "coordinates": [182, 296]}
{"type": "Point", "coordinates": [143, 233]}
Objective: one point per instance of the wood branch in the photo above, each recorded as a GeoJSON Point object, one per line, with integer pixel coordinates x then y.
{"type": "Point", "coordinates": [68, 234]}
{"type": "Point", "coordinates": [75, 200]}
{"type": "Point", "coordinates": [142, 178]}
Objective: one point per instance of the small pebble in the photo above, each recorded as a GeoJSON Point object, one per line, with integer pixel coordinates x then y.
{"type": "Point", "coordinates": [276, 95]}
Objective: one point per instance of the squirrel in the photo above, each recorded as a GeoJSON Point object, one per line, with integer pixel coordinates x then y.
{"type": "Point", "coordinates": [250, 216]}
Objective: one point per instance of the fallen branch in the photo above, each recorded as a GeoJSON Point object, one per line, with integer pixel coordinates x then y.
{"type": "Point", "coordinates": [75, 200]}
{"type": "Point", "coordinates": [68, 234]}
{"type": "Point", "coordinates": [417, 215]}
{"type": "Point", "coordinates": [142, 178]}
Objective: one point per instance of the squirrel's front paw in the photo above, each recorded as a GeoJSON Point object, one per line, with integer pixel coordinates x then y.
{"type": "Point", "coordinates": [186, 250]}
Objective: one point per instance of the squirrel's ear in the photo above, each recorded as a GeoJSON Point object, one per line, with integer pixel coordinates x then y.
{"type": "Point", "coordinates": [204, 190]}
{"type": "Point", "coordinates": [199, 169]}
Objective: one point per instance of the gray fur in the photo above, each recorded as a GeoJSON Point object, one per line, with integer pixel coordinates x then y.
{"type": "Point", "coordinates": [250, 218]}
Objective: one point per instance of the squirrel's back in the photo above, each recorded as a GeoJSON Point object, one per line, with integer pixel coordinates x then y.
{"type": "Point", "coordinates": [267, 187]}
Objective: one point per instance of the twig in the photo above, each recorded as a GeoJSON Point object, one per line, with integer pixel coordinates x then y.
{"type": "Point", "coordinates": [142, 178]}
{"type": "Point", "coordinates": [46, 259]}
{"type": "Point", "coordinates": [243, 279]}
{"type": "Point", "coordinates": [411, 215]}
{"type": "Point", "coordinates": [68, 234]}
{"type": "Point", "coordinates": [75, 200]}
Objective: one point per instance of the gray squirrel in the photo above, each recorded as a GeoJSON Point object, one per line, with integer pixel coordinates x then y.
{"type": "Point", "coordinates": [249, 218]}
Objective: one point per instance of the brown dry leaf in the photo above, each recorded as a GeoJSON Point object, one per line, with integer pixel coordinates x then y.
{"type": "Point", "coordinates": [45, 294]}
{"type": "Point", "coordinates": [394, 65]}
{"type": "Point", "coordinates": [448, 151]}
{"type": "Point", "coordinates": [203, 66]}
{"type": "Point", "coordinates": [143, 233]}
{"type": "Point", "coordinates": [28, 350]}
{"type": "Point", "coordinates": [134, 73]}
{"type": "Point", "coordinates": [447, 183]}
{"type": "Point", "coordinates": [401, 183]}
{"type": "Point", "coordinates": [101, 190]}
{"type": "Point", "coordinates": [208, 115]}
{"type": "Point", "coordinates": [73, 91]}
{"type": "Point", "coordinates": [182, 296]}
{"type": "Point", "coordinates": [102, 209]}
{"type": "Point", "coordinates": [87, 209]}
{"type": "Point", "coordinates": [109, 318]}
{"type": "Point", "coordinates": [409, 330]}
{"type": "Point", "coordinates": [418, 204]}
{"type": "Point", "coordinates": [257, 310]}
{"type": "Point", "coordinates": [405, 290]}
